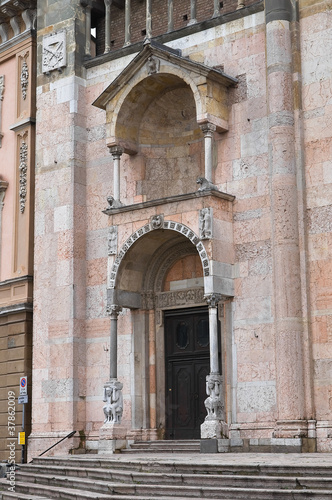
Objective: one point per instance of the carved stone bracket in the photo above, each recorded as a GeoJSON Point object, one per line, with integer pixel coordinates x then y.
{"type": "Point", "coordinates": [214, 403]}
{"type": "Point", "coordinates": [205, 223]}
{"type": "Point", "coordinates": [113, 409]}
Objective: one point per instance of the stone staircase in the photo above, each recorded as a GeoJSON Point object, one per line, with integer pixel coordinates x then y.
{"type": "Point", "coordinates": [166, 477]}
{"type": "Point", "coordinates": [185, 446]}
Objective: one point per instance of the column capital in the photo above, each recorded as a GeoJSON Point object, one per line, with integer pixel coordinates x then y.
{"type": "Point", "coordinates": [208, 129]}
{"type": "Point", "coordinates": [116, 151]}
{"type": "Point", "coordinates": [212, 299]}
{"type": "Point", "coordinates": [113, 311]}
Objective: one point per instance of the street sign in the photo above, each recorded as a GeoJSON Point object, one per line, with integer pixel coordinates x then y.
{"type": "Point", "coordinates": [21, 438]}
{"type": "Point", "coordinates": [23, 386]}
{"type": "Point", "coordinates": [22, 400]}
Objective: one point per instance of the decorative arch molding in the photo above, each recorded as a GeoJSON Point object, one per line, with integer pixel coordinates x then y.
{"type": "Point", "coordinates": [163, 261]}
{"type": "Point", "coordinates": [152, 226]}
{"type": "Point", "coordinates": [158, 67]}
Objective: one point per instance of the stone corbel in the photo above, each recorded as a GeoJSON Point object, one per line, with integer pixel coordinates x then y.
{"type": "Point", "coordinates": [4, 32]}
{"type": "Point", "coordinates": [29, 18]}
{"type": "Point", "coordinates": [15, 24]}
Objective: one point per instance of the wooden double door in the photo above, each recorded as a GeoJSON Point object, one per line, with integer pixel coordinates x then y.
{"type": "Point", "coordinates": [187, 365]}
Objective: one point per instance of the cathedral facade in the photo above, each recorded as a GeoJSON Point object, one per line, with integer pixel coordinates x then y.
{"type": "Point", "coordinates": [182, 230]}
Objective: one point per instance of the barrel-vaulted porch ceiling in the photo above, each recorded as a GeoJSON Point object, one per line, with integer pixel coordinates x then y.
{"type": "Point", "coordinates": [155, 70]}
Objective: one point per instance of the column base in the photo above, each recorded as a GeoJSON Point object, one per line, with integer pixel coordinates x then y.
{"type": "Point", "coordinates": [211, 429]}
{"type": "Point", "coordinates": [112, 438]}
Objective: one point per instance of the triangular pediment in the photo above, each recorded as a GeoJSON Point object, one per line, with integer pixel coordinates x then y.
{"type": "Point", "coordinates": [151, 56]}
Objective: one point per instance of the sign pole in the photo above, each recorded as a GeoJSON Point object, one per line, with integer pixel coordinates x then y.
{"type": "Point", "coordinates": [23, 445]}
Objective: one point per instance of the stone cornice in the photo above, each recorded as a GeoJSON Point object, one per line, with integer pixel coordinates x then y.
{"type": "Point", "coordinates": [16, 280]}
{"type": "Point", "coordinates": [168, 200]}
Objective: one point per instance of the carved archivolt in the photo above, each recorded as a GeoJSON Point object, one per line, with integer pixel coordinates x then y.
{"type": "Point", "coordinates": [173, 226]}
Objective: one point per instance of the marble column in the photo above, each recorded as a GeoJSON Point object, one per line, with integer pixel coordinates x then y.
{"type": "Point", "coordinates": [170, 13]}
{"type": "Point", "coordinates": [216, 8]}
{"type": "Point", "coordinates": [193, 12]}
{"type": "Point", "coordinates": [148, 19]}
{"type": "Point", "coordinates": [116, 152]}
{"type": "Point", "coordinates": [214, 404]}
{"type": "Point", "coordinates": [112, 435]}
{"type": "Point", "coordinates": [288, 325]}
{"type": "Point", "coordinates": [88, 30]}
{"type": "Point", "coordinates": [208, 130]}
{"type": "Point", "coordinates": [127, 23]}
{"type": "Point", "coordinates": [108, 4]}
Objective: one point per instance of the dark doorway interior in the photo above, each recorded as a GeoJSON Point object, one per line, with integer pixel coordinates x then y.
{"type": "Point", "coordinates": [187, 365]}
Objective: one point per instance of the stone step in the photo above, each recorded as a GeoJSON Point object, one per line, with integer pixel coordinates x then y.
{"type": "Point", "coordinates": [186, 466]}
{"type": "Point", "coordinates": [164, 446]}
{"type": "Point", "coordinates": [155, 491]}
{"type": "Point", "coordinates": [110, 475]}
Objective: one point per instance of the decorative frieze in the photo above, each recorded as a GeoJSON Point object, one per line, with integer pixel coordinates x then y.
{"type": "Point", "coordinates": [177, 298]}
{"type": "Point", "coordinates": [24, 79]}
{"type": "Point", "coordinates": [173, 226]}
{"type": "Point", "coordinates": [23, 169]}
{"type": "Point", "coordinates": [54, 51]}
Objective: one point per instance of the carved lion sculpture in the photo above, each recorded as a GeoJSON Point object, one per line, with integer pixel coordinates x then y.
{"type": "Point", "coordinates": [205, 184]}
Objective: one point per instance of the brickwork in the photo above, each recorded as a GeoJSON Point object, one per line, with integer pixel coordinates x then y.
{"type": "Point", "coordinates": [159, 19]}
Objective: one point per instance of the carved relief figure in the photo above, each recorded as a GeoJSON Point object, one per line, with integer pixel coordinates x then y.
{"type": "Point", "coordinates": [112, 240]}
{"type": "Point", "coordinates": [157, 221]}
{"type": "Point", "coordinates": [114, 402]}
{"type": "Point", "coordinates": [153, 65]}
{"type": "Point", "coordinates": [205, 223]}
{"type": "Point", "coordinates": [213, 403]}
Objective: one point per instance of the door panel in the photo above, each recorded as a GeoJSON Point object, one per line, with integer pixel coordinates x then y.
{"type": "Point", "coordinates": [187, 362]}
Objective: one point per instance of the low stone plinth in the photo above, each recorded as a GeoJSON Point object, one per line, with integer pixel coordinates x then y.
{"type": "Point", "coordinates": [112, 437]}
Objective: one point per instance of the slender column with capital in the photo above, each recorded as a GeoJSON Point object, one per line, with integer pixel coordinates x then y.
{"type": "Point", "coordinates": [88, 30]}
{"type": "Point", "coordinates": [113, 312]}
{"type": "Point", "coordinates": [108, 4]}
{"type": "Point", "coordinates": [193, 12]}
{"type": "Point", "coordinates": [241, 4]}
{"type": "Point", "coordinates": [214, 404]}
{"type": "Point", "coordinates": [170, 11]}
{"type": "Point", "coordinates": [127, 24]}
{"type": "Point", "coordinates": [208, 130]}
{"type": "Point", "coordinates": [148, 19]}
{"type": "Point", "coordinates": [116, 152]}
